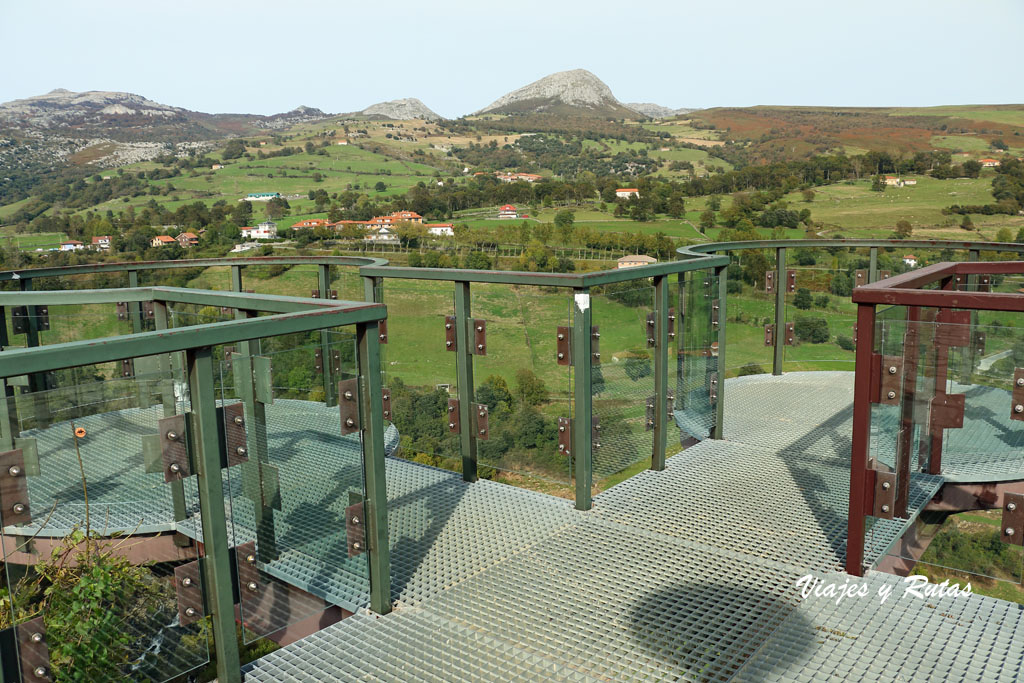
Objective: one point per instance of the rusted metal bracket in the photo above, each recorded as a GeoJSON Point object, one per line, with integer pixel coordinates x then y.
{"type": "Point", "coordinates": [480, 413]}
{"type": "Point", "coordinates": [713, 387]}
{"type": "Point", "coordinates": [1017, 409]}
{"type": "Point", "coordinates": [128, 367]}
{"type": "Point", "coordinates": [450, 338]}
{"type": "Point", "coordinates": [595, 432]}
{"type": "Point", "coordinates": [652, 401]}
{"type": "Point", "coordinates": [189, 592]}
{"type": "Point", "coordinates": [890, 379]}
{"type": "Point", "coordinates": [228, 352]}
{"type": "Point", "coordinates": [860, 277]}
{"type": "Point", "coordinates": [978, 342]}
{"type": "Point", "coordinates": [20, 319]}
{"type": "Point", "coordinates": [33, 652]}
{"type": "Point", "coordinates": [672, 322]}
{"type": "Point", "coordinates": [355, 529]}
{"type": "Point", "coordinates": [715, 308]}
{"type": "Point", "coordinates": [251, 586]}
{"type": "Point", "coordinates": [769, 281]}
{"type": "Point", "coordinates": [947, 411]}
{"type": "Point", "coordinates": [790, 337]}
{"type": "Point", "coordinates": [652, 337]}
{"type": "Point", "coordinates": [148, 310]}
{"type": "Point", "coordinates": [565, 436]}
{"type": "Point", "coordinates": [885, 494]}
{"type": "Point", "coordinates": [385, 402]}
{"type": "Point", "coordinates": [953, 328]}
{"type": "Point", "coordinates": [1013, 518]}
{"type": "Point", "coordinates": [331, 294]}
{"type": "Point", "coordinates": [454, 425]}
{"type": "Point", "coordinates": [769, 335]}
{"type": "Point", "coordinates": [348, 405]}
{"type": "Point", "coordinates": [235, 442]}
{"type": "Point", "coordinates": [13, 489]}
{"type": "Point", "coordinates": [318, 360]}
{"type": "Point", "coordinates": [479, 337]}
{"type": "Point", "coordinates": [791, 280]}
{"type": "Point", "coordinates": [884, 274]}
{"type": "Point", "coordinates": [563, 346]}
{"type": "Point", "coordinates": [382, 331]}
{"type": "Point", "coordinates": [173, 449]}
{"type": "Point", "coordinates": [122, 310]}
{"type": "Point", "coordinates": [595, 345]}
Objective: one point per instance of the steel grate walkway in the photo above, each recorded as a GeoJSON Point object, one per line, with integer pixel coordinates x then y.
{"type": "Point", "coordinates": [685, 574]}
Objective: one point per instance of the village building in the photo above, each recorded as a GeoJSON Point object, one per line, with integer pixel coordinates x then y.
{"type": "Point", "coordinates": [162, 241]}
{"type": "Point", "coordinates": [910, 260]}
{"type": "Point", "coordinates": [382, 234]}
{"type": "Point", "coordinates": [217, 167]}
{"type": "Point", "coordinates": [508, 211]}
{"type": "Point", "coordinates": [311, 223]}
{"type": "Point", "coordinates": [71, 245]}
{"type": "Point", "coordinates": [266, 230]}
{"type": "Point", "coordinates": [635, 260]}
{"type": "Point", "coordinates": [440, 229]}
{"type": "Point", "coordinates": [188, 239]}
{"type": "Point", "coordinates": [989, 163]}
{"type": "Point", "coordinates": [101, 243]}
{"type": "Point", "coordinates": [893, 181]}
{"type": "Point", "coordinates": [627, 192]}
{"type": "Point", "coordinates": [260, 196]}
{"type": "Point", "coordinates": [909, 181]}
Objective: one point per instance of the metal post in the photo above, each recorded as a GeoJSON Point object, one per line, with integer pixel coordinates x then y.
{"type": "Point", "coordinates": [723, 281]}
{"type": "Point", "coordinates": [583, 451]}
{"type": "Point", "coordinates": [873, 265]}
{"type": "Point", "coordinates": [464, 368]}
{"type": "Point", "coordinates": [330, 388]}
{"type": "Point", "coordinates": [8, 407]}
{"type": "Point", "coordinates": [236, 278]}
{"type": "Point", "coordinates": [37, 381]}
{"type": "Point", "coordinates": [661, 418]}
{"type": "Point", "coordinates": [374, 475]}
{"type": "Point", "coordinates": [135, 307]}
{"type": "Point", "coordinates": [216, 563]}
{"type": "Point", "coordinates": [970, 355]}
{"type": "Point", "coordinates": [160, 322]}
{"type": "Point", "coordinates": [371, 289]}
{"type": "Point", "coordinates": [860, 441]}
{"type": "Point", "coordinates": [780, 309]}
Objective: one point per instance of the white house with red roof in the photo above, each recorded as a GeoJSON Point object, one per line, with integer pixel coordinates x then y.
{"type": "Point", "coordinates": [627, 192]}
{"type": "Point", "coordinates": [311, 223]}
{"type": "Point", "coordinates": [101, 243]}
{"type": "Point", "coordinates": [71, 245]}
{"type": "Point", "coordinates": [440, 229]}
{"type": "Point", "coordinates": [508, 211]}
{"type": "Point", "coordinates": [266, 230]}
{"type": "Point", "coordinates": [188, 239]}
{"type": "Point", "coordinates": [989, 163]}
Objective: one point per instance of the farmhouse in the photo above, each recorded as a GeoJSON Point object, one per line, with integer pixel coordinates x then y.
{"type": "Point", "coordinates": [440, 229]}
{"type": "Point", "coordinates": [217, 167]}
{"type": "Point", "coordinates": [635, 260]}
{"type": "Point", "coordinates": [71, 245]}
{"type": "Point", "coordinates": [266, 230]}
{"type": "Point", "coordinates": [381, 234]}
{"type": "Point", "coordinates": [410, 216]}
{"type": "Point", "coordinates": [162, 241]}
{"type": "Point", "coordinates": [627, 192]}
{"type": "Point", "coordinates": [908, 181]}
{"type": "Point", "coordinates": [893, 181]}
{"type": "Point", "coordinates": [989, 163]}
{"type": "Point", "coordinates": [188, 239]}
{"type": "Point", "coordinates": [311, 223]}
{"type": "Point", "coordinates": [910, 260]}
{"type": "Point", "coordinates": [101, 243]}
{"type": "Point", "coordinates": [508, 211]}
{"type": "Point", "coordinates": [260, 196]}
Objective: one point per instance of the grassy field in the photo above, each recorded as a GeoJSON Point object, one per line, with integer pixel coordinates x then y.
{"type": "Point", "coordinates": [30, 241]}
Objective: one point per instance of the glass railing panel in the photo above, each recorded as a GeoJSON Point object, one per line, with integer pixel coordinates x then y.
{"type": "Point", "coordinates": [750, 309]}
{"type": "Point", "coordinates": [623, 384]}
{"type": "Point", "coordinates": [296, 487]}
{"type": "Point", "coordinates": [91, 532]}
{"type": "Point", "coordinates": [347, 282]}
{"type": "Point", "coordinates": [818, 306]}
{"type": "Point", "coordinates": [420, 370]}
{"type": "Point", "coordinates": [521, 382]}
{"type": "Point", "coordinates": [696, 353]}
{"type": "Point", "coordinates": [283, 280]}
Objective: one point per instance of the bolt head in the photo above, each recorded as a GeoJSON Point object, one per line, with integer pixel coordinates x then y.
{"type": "Point", "coordinates": [561, 446]}
{"type": "Point", "coordinates": [561, 356]}
{"type": "Point", "coordinates": [886, 486]}
{"type": "Point", "coordinates": [387, 413]}
{"type": "Point", "coordinates": [18, 508]}
{"type": "Point", "coordinates": [1009, 531]}
{"type": "Point", "coordinates": [1011, 506]}
{"type": "Point", "coordinates": [356, 545]}
{"type": "Point", "coordinates": [448, 343]}
{"type": "Point", "coordinates": [597, 335]}
{"type": "Point", "coordinates": [892, 369]}
{"type": "Point", "coordinates": [383, 337]}
{"type": "Point", "coordinates": [190, 611]}
{"type": "Point", "coordinates": [239, 420]}
{"type": "Point", "coordinates": [562, 428]}
{"type": "Point", "coordinates": [1018, 408]}
{"type": "Point", "coordinates": [447, 326]}
{"type": "Point", "coordinates": [174, 467]}
{"type": "Point", "coordinates": [186, 582]}
{"type": "Point", "coordinates": [241, 451]}
{"type": "Point", "coordinates": [36, 637]}
{"type": "Point", "coordinates": [891, 394]}
{"type": "Point", "coordinates": [561, 337]}
{"type": "Point", "coordinates": [479, 328]}
{"type": "Point", "coordinates": [348, 395]}
{"type": "Point", "coordinates": [1020, 381]}
{"type": "Point", "coordinates": [483, 431]}
{"type": "Point", "coordinates": [350, 422]}
{"type": "Point", "coordinates": [250, 558]}
{"type": "Point", "coordinates": [252, 586]}
{"type": "Point", "coordinates": [480, 347]}
{"type": "Point", "coordinates": [451, 409]}
{"type": "Point", "coordinates": [14, 471]}
{"type": "Point", "coordinates": [885, 508]}
{"type": "Point", "coordinates": [39, 671]}
{"type": "Point", "coordinates": [355, 520]}
{"type": "Point", "coordinates": [172, 436]}
{"type": "Point", "coordinates": [597, 356]}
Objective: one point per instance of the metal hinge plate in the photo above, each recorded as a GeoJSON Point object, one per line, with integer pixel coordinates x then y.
{"type": "Point", "coordinates": [1013, 518]}
{"type": "Point", "coordinates": [348, 405]}
{"type": "Point", "coordinates": [122, 310]}
{"type": "Point", "coordinates": [355, 529]}
{"type": "Point", "coordinates": [173, 451]}
{"type": "Point", "coordinates": [791, 280]}
{"type": "Point", "coordinates": [595, 432]}
{"type": "Point", "coordinates": [450, 337]}
{"type": "Point", "coordinates": [885, 494]}
{"type": "Point", "coordinates": [790, 338]}
{"type": "Point", "coordinates": [649, 412]}
{"type": "Point", "coordinates": [13, 489]}
{"type": "Point", "coordinates": [672, 322]}
{"type": "Point", "coordinates": [713, 387]}
{"type": "Point", "coordinates": [480, 415]}
{"type": "Point", "coordinates": [651, 328]}
{"type": "Point", "coordinates": [479, 337]}
{"type": "Point", "coordinates": [769, 282]}
{"type": "Point", "coordinates": [33, 651]}
{"type": "Point", "coordinates": [563, 346]}
{"type": "Point", "coordinates": [385, 402]}
{"type": "Point", "coordinates": [234, 434]}
{"type": "Point", "coordinates": [128, 367]}
{"type": "Point", "coordinates": [331, 294]}
{"type": "Point", "coordinates": [565, 436]}
{"type": "Point", "coordinates": [454, 425]}
{"type": "Point", "coordinates": [890, 380]}
{"type": "Point", "coordinates": [148, 310]}
{"type": "Point", "coordinates": [1017, 408]}
{"type": "Point", "coordinates": [715, 307]}
{"type": "Point", "coordinates": [769, 335]}
{"type": "Point", "coordinates": [20, 319]}
{"type": "Point", "coordinates": [189, 593]}
{"type": "Point", "coordinates": [860, 277]}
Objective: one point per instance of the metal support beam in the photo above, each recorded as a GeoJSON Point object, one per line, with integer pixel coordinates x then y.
{"type": "Point", "coordinates": [374, 476]}
{"type": "Point", "coordinates": [160, 322]}
{"type": "Point", "coordinates": [236, 279]}
{"type": "Point", "coordinates": [36, 381]}
{"type": "Point", "coordinates": [723, 280]}
{"type": "Point", "coordinates": [780, 311]}
{"type": "Point", "coordinates": [464, 369]}
{"type": "Point", "coordinates": [216, 564]}
{"type": "Point", "coordinates": [372, 290]}
{"type": "Point", "coordinates": [661, 418]}
{"type": "Point", "coordinates": [873, 265]}
{"type": "Point", "coordinates": [330, 381]}
{"type": "Point", "coordinates": [860, 442]}
{"type": "Point", "coordinates": [135, 307]}
{"type": "Point", "coordinates": [583, 450]}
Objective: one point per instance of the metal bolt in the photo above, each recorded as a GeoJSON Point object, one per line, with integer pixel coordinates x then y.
{"type": "Point", "coordinates": [672, 317]}
{"type": "Point", "coordinates": [14, 471]}
{"type": "Point", "coordinates": [387, 413]}
{"type": "Point", "coordinates": [174, 468]}
{"type": "Point", "coordinates": [350, 422]}
{"type": "Point", "coordinates": [892, 369]}
{"type": "Point", "coordinates": [451, 425]}
{"type": "Point", "coordinates": [891, 394]}
{"type": "Point", "coordinates": [190, 611]}
{"type": "Point", "coordinates": [483, 431]}
{"type": "Point", "coordinates": [239, 420]}
{"type": "Point", "coordinates": [39, 671]}
{"type": "Point", "coordinates": [1009, 531]}
{"type": "Point", "coordinates": [36, 637]}
{"type": "Point", "coordinates": [451, 409]}
{"type": "Point", "coordinates": [650, 423]}
{"type": "Point", "coordinates": [250, 558]}
{"type": "Point", "coordinates": [561, 428]}
{"type": "Point", "coordinates": [482, 413]}
{"type": "Point", "coordinates": [252, 586]}
{"type": "Point", "coordinates": [18, 508]}
{"type": "Point", "coordinates": [650, 405]}
{"type": "Point", "coordinates": [561, 446]}
{"type": "Point", "coordinates": [886, 486]}
{"type": "Point", "coordinates": [650, 340]}
{"type": "Point", "coordinates": [355, 520]}
{"type": "Point", "coordinates": [1020, 381]}
{"type": "Point", "coordinates": [597, 445]}
{"type": "Point", "coordinates": [561, 337]}
{"type": "Point", "coordinates": [479, 328]}
{"type": "Point", "coordinates": [186, 582]}
{"type": "Point", "coordinates": [651, 323]}
{"type": "Point", "coordinates": [447, 326]}
{"type": "Point", "coordinates": [1018, 408]}
{"type": "Point", "coordinates": [172, 436]}
{"type": "Point", "coordinates": [241, 451]}
{"type": "Point", "coordinates": [356, 545]}
{"type": "Point", "coordinates": [561, 356]}
{"type": "Point", "coordinates": [885, 508]}
{"type": "Point", "coordinates": [480, 347]}
{"type": "Point", "coordinates": [448, 344]}
{"type": "Point", "coordinates": [597, 356]}
{"type": "Point", "coordinates": [383, 337]}
{"type": "Point", "coordinates": [1011, 506]}
{"type": "Point", "coordinates": [348, 395]}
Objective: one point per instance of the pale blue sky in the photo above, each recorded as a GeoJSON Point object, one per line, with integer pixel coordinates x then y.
{"type": "Point", "coordinates": [268, 57]}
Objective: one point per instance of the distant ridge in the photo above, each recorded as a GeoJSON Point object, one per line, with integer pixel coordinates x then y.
{"type": "Point", "coordinates": [575, 92]}
{"type": "Point", "coordinates": [656, 111]}
{"type": "Point", "coordinates": [404, 109]}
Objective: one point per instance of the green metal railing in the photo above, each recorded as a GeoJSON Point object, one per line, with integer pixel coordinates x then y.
{"type": "Point", "coordinates": [204, 426]}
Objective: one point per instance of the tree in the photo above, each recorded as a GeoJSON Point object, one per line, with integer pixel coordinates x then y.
{"type": "Point", "coordinates": [542, 232]}
{"type": "Point", "coordinates": [878, 184]}
{"type": "Point", "coordinates": [808, 195]}
{"type": "Point", "coordinates": [813, 330]}
{"type": "Point", "coordinates": [233, 150]}
{"type": "Point", "coordinates": [803, 299]}
{"type": "Point", "coordinates": [967, 223]}
{"type": "Point", "coordinates": [755, 265]}
{"type": "Point", "coordinates": [380, 186]}
{"type": "Point", "coordinates": [476, 260]}
{"type": "Point", "coordinates": [530, 389]}
{"type": "Point", "coordinates": [493, 392]}
{"type": "Point", "coordinates": [564, 219]}
{"type": "Point", "coordinates": [904, 230]}
{"type": "Point", "coordinates": [841, 285]}
{"type": "Point", "coordinates": [972, 168]}
{"type": "Point", "coordinates": [707, 220]}
{"type": "Point", "coordinates": [1004, 235]}
{"type": "Point", "coordinates": [822, 301]}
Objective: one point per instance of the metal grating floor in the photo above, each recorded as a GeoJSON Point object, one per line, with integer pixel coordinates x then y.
{"type": "Point", "coordinates": [685, 574]}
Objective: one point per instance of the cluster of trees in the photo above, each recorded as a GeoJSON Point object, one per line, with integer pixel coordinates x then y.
{"type": "Point", "coordinates": [1007, 190]}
